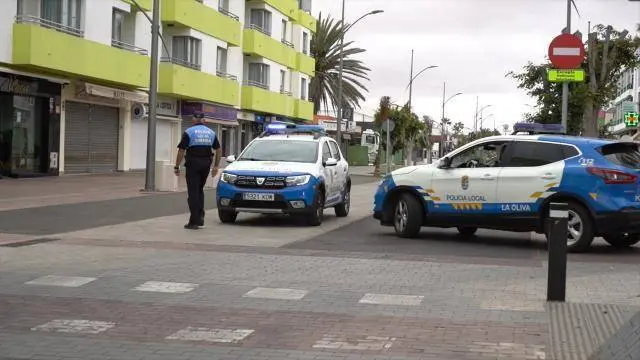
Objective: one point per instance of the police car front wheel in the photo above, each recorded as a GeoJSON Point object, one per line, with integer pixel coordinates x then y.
{"type": "Point", "coordinates": [227, 217]}
{"type": "Point", "coordinates": [407, 216]}
{"type": "Point", "coordinates": [317, 212]}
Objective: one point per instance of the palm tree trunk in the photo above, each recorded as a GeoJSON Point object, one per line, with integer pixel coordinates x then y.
{"type": "Point", "coordinates": [376, 165]}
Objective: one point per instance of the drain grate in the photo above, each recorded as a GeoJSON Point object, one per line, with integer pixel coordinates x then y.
{"type": "Point", "coordinates": [30, 242]}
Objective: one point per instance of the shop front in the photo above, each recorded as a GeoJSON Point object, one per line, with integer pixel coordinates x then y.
{"type": "Point", "coordinates": [221, 119]}
{"type": "Point", "coordinates": [29, 126]}
{"type": "Point", "coordinates": [96, 126]}
{"type": "Point", "coordinates": [168, 130]}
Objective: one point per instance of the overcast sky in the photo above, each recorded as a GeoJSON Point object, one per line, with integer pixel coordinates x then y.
{"type": "Point", "coordinates": [473, 42]}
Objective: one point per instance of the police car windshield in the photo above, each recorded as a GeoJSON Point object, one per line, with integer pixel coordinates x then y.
{"type": "Point", "coordinates": [281, 150]}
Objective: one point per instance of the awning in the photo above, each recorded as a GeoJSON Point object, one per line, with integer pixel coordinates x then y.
{"type": "Point", "coordinates": [221, 122]}
{"type": "Point", "coordinates": [52, 79]}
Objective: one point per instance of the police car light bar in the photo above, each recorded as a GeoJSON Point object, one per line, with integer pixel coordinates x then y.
{"type": "Point", "coordinates": [273, 129]}
{"type": "Point", "coordinates": [534, 128]}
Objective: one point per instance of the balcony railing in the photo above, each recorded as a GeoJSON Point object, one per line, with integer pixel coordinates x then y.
{"type": "Point", "coordinates": [289, 44]}
{"type": "Point", "coordinates": [256, 84]}
{"type": "Point", "coordinates": [223, 74]}
{"type": "Point", "coordinates": [29, 19]}
{"type": "Point", "coordinates": [258, 28]}
{"type": "Point", "coordinates": [181, 62]}
{"type": "Point", "coordinates": [285, 92]}
{"type": "Point", "coordinates": [228, 13]}
{"type": "Point", "coordinates": [124, 46]}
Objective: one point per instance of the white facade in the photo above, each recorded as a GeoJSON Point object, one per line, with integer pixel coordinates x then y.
{"type": "Point", "coordinates": [627, 99]}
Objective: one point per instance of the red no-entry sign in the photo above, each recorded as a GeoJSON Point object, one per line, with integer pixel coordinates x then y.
{"type": "Point", "coordinates": [566, 51]}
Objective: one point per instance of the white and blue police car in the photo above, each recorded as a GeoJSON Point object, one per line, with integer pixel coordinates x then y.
{"type": "Point", "coordinates": [507, 183]}
{"type": "Point", "coordinates": [288, 169]}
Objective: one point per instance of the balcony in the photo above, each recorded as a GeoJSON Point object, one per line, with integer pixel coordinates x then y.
{"type": "Point", "coordinates": [261, 100]}
{"type": "Point", "coordinates": [257, 43]}
{"type": "Point", "coordinates": [42, 45]}
{"type": "Point", "coordinates": [188, 83]}
{"type": "Point", "coordinates": [146, 5]}
{"type": "Point", "coordinates": [305, 64]}
{"type": "Point", "coordinates": [124, 46]}
{"type": "Point", "coordinates": [197, 16]}
{"type": "Point", "coordinates": [303, 110]}
{"type": "Point", "coordinates": [287, 7]}
{"type": "Point", "coordinates": [305, 19]}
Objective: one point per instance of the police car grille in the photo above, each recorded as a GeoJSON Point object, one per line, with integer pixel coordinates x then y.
{"type": "Point", "coordinates": [270, 182]}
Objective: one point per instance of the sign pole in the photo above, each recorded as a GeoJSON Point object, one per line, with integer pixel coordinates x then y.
{"type": "Point", "coordinates": [565, 85]}
{"type": "Point", "coordinates": [388, 141]}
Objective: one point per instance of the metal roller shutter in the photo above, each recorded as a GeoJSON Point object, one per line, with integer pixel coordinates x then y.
{"type": "Point", "coordinates": [103, 138]}
{"type": "Point", "coordinates": [91, 138]}
{"type": "Point", "coordinates": [76, 137]}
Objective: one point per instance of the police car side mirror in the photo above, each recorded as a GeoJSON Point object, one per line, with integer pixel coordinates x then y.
{"type": "Point", "coordinates": [230, 158]}
{"type": "Point", "coordinates": [331, 162]}
{"type": "Point", "coordinates": [444, 163]}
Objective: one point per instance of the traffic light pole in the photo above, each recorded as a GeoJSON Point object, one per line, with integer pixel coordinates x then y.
{"type": "Point", "coordinates": [565, 85]}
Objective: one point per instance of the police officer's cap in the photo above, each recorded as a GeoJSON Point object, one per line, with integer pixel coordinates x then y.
{"type": "Point", "coordinates": [198, 115]}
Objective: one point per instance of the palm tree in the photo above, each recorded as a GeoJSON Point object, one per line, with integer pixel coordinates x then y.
{"type": "Point", "coordinates": [326, 49]}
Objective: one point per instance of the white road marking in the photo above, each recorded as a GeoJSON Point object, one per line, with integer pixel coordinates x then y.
{"type": "Point", "coordinates": [75, 326]}
{"type": "Point", "coordinates": [275, 293]}
{"type": "Point", "coordinates": [505, 304]}
{"type": "Point", "coordinates": [55, 280]}
{"type": "Point", "coordinates": [388, 299]}
{"type": "Point", "coordinates": [510, 350]}
{"type": "Point", "coordinates": [372, 343]}
{"type": "Point", "coordinates": [166, 287]}
{"type": "Point", "coordinates": [210, 335]}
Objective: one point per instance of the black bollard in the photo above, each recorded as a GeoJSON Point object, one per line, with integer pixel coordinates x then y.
{"type": "Point", "coordinates": [557, 238]}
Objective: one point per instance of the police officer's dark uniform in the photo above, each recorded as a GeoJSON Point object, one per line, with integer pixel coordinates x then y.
{"type": "Point", "coordinates": [199, 142]}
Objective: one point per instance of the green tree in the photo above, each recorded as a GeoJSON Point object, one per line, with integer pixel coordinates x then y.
{"type": "Point", "coordinates": [326, 49]}
{"type": "Point", "coordinates": [585, 99]}
{"type": "Point", "coordinates": [457, 129]}
{"type": "Point", "coordinates": [426, 140]}
{"type": "Point", "coordinates": [382, 113]}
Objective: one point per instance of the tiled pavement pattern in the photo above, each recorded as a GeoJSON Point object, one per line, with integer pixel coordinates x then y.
{"type": "Point", "coordinates": [72, 300]}
{"type": "Point", "coordinates": [623, 345]}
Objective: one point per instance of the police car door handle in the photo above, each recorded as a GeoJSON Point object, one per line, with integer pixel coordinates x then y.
{"type": "Point", "coordinates": [488, 177]}
{"type": "Point", "coordinates": [548, 177]}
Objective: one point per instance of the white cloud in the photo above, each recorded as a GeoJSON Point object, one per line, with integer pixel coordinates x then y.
{"type": "Point", "coordinates": [473, 42]}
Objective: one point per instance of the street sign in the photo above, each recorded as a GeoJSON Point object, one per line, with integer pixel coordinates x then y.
{"type": "Point", "coordinates": [560, 75]}
{"type": "Point", "coordinates": [631, 119]}
{"type": "Point", "coordinates": [566, 51]}
{"type": "Point", "coordinates": [388, 125]}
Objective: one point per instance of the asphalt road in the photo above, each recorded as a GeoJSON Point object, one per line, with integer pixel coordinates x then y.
{"type": "Point", "coordinates": [57, 219]}
{"type": "Point", "coordinates": [487, 246]}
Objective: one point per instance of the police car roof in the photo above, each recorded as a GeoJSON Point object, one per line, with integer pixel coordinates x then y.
{"type": "Point", "coordinates": [562, 139]}
{"type": "Point", "coordinates": [298, 137]}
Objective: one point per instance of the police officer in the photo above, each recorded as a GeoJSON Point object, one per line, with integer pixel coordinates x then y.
{"type": "Point", "coordinates": [200, 145]}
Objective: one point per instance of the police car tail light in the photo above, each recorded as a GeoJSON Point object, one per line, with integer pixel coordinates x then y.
{"type": "Point", "coordinates": [228, 178]}
{"type": "Point", "coordinates": [613, 176]}
{"type": "Point", "coordinates": [298, 180]}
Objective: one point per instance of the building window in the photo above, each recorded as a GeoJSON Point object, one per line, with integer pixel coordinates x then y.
{"type": "Point", "coordinates": [67, 13]}
{"type": "Point", "coordinates": [259, 75]}
{"type": "Point", "coordinates": [186, 51]}
{"type": "Point", "coordinates": [223, 5]}
{"type": "Point", "coordinates": [305, 42]}
{"type": "Point", "coordinates": [261, 20]}
{"type": "Point", "coordinates": [283, 77]}
{"type": "Point", "coordinates": [284, 30]}
{"type": "Point", "coordinates": [117, 27]}
{"type": "Point", "coordinates": [221, 62]}
{"type": "Point", "coordinates": [303, 89]}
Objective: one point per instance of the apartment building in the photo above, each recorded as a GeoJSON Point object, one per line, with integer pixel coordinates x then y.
{"type": "Point", "coordinates": [74, 77]}
{"type": "Point", "coordinates": [627, 100]}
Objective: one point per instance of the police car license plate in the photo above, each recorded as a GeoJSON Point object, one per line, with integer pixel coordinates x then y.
{"type": "Point", "coordinates": [258, 196]}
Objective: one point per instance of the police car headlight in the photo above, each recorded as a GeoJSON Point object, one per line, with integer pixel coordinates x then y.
{"type": "Point", "coordinates": [298, 180]}
{"type": "Point", "coordinates": [228, 178]}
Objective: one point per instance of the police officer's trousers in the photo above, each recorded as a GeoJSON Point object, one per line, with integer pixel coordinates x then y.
{"type": "Point", "coordinates": [197, 172]}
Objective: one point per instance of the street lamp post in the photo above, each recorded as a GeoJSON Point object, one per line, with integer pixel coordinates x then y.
{"type": "Point", "coordinates": [414, 77]}
{"type": "Point", "coordinates": [340, 70]}
{"type": "Point", "coordinates": [150, 171]}
{"type": "Point", "coordinates": [445, 100]}
{"type": "Point", "coordinates": [480, 113]}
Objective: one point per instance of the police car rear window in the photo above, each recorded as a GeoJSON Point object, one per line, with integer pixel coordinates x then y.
{"type": "Point", "coordinates": [622, 154]}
